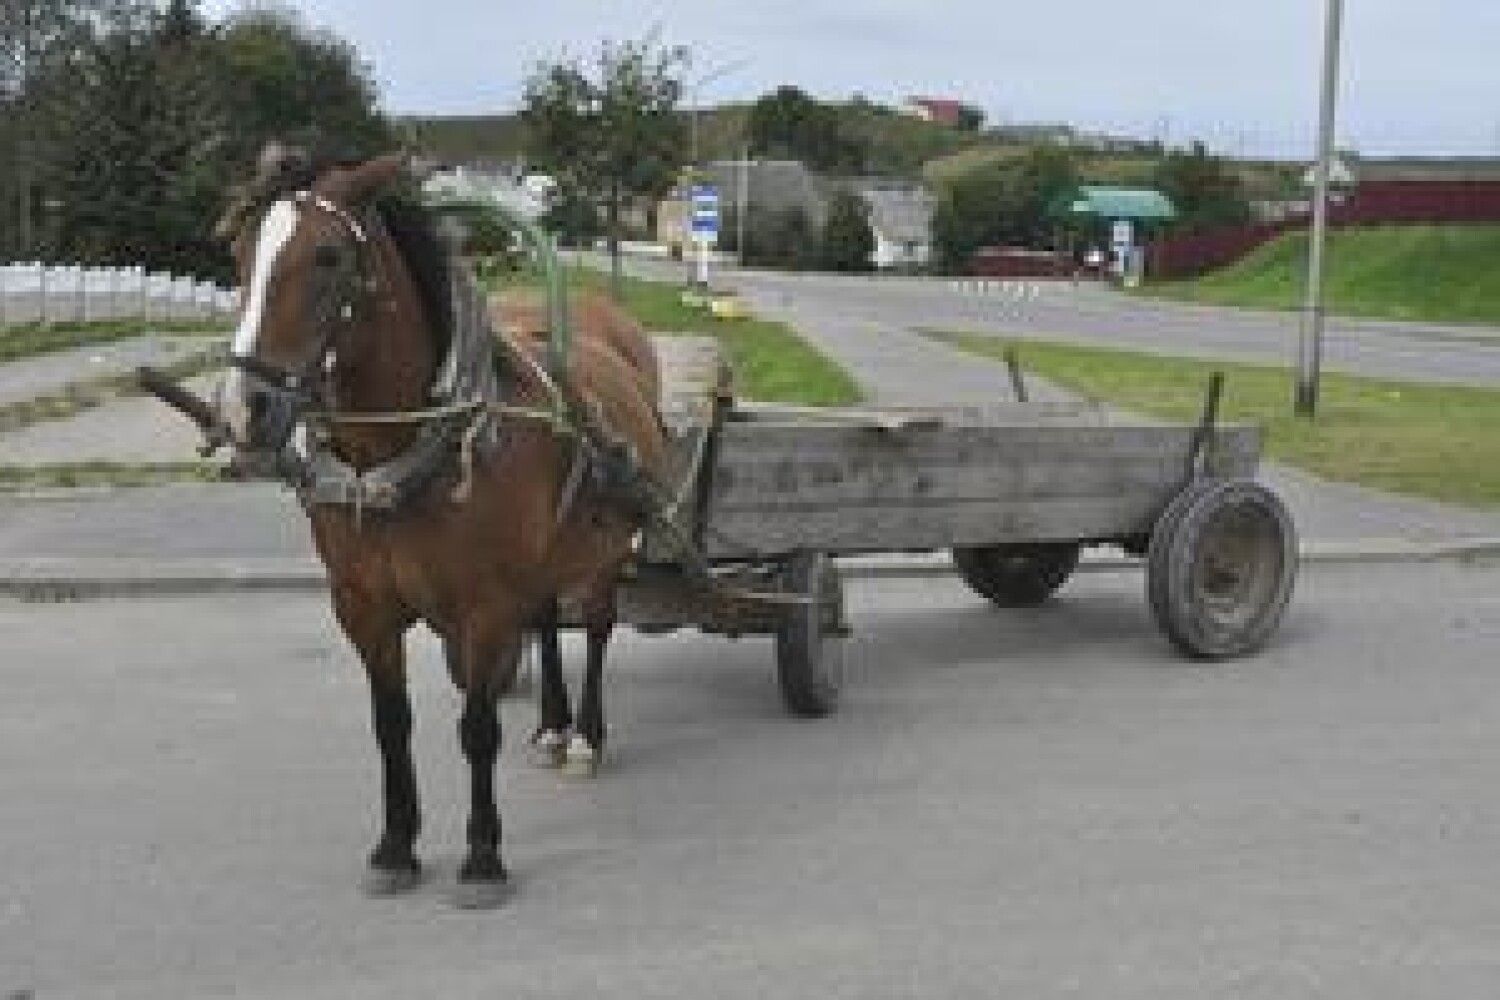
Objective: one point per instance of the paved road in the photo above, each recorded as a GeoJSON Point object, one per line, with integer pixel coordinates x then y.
{"type": "Point", "coordinates": [1094, 315]}
{"type": "Point", "coordinates": [1038, 805]}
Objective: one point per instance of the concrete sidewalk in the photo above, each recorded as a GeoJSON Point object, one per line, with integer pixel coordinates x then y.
{"type": "Point", "coordinates": [29, 378]}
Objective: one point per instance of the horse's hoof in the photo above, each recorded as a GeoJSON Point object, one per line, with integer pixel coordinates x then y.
{"type": "Point", "coordinates": [483, 883]}
{"type": "Point", "coordinates": [581, 759]}
{"type": "Point", "coordinates": [548, 748]}
{"type": "Point", "coordinates": [481, 895]}
{"type": "Point", "coordinates": [380, 883]}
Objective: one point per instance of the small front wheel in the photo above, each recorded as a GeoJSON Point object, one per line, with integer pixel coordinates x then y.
{"type": "Point", "coordinates": [1017, 575]}
{"type": "Point", "coordinates": [810, 639]}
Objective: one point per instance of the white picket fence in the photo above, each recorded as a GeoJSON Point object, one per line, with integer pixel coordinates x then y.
{"type": "Point", "coordinates": [64, 293]}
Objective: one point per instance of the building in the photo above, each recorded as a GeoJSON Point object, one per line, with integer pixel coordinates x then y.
{"type": "Point", "coordinates": [525, 194]}
{"type": "Point", "coordinates": [901, 219]}
{"type": "Point", "coordinates": [942, 110]}
{"type": "Point", "coordinates": [1414, 189]}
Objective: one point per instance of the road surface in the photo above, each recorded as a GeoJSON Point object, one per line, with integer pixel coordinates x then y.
{"type": "Point", "coordinates": [1040, 804]}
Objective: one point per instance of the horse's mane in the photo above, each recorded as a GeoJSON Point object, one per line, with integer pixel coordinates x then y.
{"type": "Point", "coordinates": [284, 170]}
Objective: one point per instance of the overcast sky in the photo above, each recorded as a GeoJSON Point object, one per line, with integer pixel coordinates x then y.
{"type": "Point", "coordinates": [1419, 77]}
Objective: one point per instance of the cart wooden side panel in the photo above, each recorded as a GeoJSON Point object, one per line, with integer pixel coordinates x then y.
{"type": "Point", "coordinates": [777, 487]}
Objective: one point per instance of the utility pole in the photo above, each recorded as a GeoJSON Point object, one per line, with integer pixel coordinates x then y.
{"type": "Point", "coordinates": [1310, 339]}
{"type": "Point", "coordinates": [743, 208]}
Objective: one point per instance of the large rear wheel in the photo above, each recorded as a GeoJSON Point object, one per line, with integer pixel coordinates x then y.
{"type": "Point", "coordinates": [1221, 568]}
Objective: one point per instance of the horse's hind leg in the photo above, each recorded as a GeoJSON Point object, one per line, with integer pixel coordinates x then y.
{"type": "Point", "coordinates": [587, 746]}
{"type": "Point", "coordinates": [550, 741]}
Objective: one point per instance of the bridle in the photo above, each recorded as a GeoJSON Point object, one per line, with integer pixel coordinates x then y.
{"type": "Point", "coordinates": [349, 286]}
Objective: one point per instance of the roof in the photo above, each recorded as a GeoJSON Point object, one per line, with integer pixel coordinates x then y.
{"type": "Point", "coordinates": [1140, 204]}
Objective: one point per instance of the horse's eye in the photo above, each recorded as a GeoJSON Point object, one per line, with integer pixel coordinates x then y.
{"type": "Point", "coordinates": [326, 255]}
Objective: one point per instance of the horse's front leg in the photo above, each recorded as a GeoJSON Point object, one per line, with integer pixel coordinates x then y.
{"type": "Point", "coordinates": [394, 861]}
{"type": "Point", "coordinates": [489, 656]}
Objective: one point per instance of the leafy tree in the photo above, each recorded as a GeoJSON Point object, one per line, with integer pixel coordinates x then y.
{"type": "Point", "coordinates": [38, 38]}
{"type": "Point", "coordinates": [970, 118]}
{"type": "Point", "coordinates": [142, 123]}
{"type": "Point", "coordinates": [789, 124]}
{"type": "Point", "coordinates": [784, 239]}
{"type": "Point", "coordinates": [1005, 203]}
{"type": "Point", "coordinates": [1203, 188]}
{"type": "Point", "coordinates": [848, 239]}
{"type": "Point", "coordinates": [276, 76]}
{"type": "Point", "coordinates": [610, 132]}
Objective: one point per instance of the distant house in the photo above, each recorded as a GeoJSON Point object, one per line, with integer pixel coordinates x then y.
{"type": "Point", "coordinates": [901, 219]}
{"type": "Point", "coordinates": [1414, 188]}
{"type": "Point", "coordinates": [525, 194]}
{"type": "Point", "coordinates": [942, 110]}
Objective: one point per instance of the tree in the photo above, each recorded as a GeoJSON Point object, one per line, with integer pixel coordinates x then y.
{"type": "Point", "coordinates": [1008, 203]}
{"type": "Point", "coordinates": [609, 133]}
{"type": "Point", "coordinates": [143, 122]}
{"type": "Point", "coordinates": [848, 239]}
{"type": "Point", "coordinates": [278, 77]}
{"type": "Point", "coordinates": [789, 124]}
{"type": "Point", "coordinates": [1203, 188]}
{"type": "Point", "coordinates": [782, 238]}
{"type": "Point", "coordinates": [38, 38]}
{"type": "Point", "coordinates": [970, 118]}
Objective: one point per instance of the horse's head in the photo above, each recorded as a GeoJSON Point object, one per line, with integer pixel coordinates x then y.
{"type": "Point", "coordinates": [307, 273]}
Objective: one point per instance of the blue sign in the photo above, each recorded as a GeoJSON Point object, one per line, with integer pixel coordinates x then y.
{"type": "Point", "coordinates": [705, 211]}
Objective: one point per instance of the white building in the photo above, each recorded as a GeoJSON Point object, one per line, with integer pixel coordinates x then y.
{"type": "Point", "coordinates": [527, 195]}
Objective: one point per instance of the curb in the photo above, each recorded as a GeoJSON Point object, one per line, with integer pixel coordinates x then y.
{"type": "Point", "coordinates": [78, 579]}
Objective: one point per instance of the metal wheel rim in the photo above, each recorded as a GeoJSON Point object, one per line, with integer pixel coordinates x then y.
{"type": "Point", "coordinates": [1237, 569]}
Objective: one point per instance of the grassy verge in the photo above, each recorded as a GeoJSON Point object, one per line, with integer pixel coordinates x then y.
{"type": "Point", "coordinates": [1430, 273]}
{"type": "Point", "coordinates": [771, 363]}
{"type": "Point", "coordinates": [79, 396]}
{"type": "Point", "coordinates": [31, 339]}
{"type": "Point", "coordinates": [73, 475]}
{"type": "Point", "coordinates": [1439, 442]}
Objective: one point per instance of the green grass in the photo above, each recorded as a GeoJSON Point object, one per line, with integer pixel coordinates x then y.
{"type": "Point", "coordinates": [31, 339]}
{"type": "Point", "coordinates": [771, 363]}
{"type": "Point", "coordinates": [1438, 442]}
{"type": "Point", "coordinates": [74, 475]}
{"type": "Point", "coordinates": [1425, 273]}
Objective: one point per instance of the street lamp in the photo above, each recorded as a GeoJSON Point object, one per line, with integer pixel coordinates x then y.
{"type": "Point", "coordinates": [1310, 338]}
{"type": "Point", "coordinates": [718, 73]}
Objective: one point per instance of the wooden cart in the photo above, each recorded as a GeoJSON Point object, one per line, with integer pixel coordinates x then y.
{"type": "Point", "coordinates": [770, 495]}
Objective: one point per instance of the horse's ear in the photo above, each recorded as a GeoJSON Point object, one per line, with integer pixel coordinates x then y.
{"type": "Point", "coordinates": [356, 184]}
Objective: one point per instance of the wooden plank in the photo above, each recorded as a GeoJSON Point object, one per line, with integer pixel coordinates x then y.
{"type": "Point", "coordinates": [1002, 413]}
{"type": "Point", "coordinates": [776, 488]}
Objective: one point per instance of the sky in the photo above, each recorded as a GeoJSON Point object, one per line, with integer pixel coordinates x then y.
{"type": "Point", "coordinates": [1417, 77]}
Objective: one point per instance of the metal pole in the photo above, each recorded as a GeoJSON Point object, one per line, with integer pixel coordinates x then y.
{"type": "Point", "coordinates": [1310, 341]}
{"type": "Point", "coordinates": [743, 208]}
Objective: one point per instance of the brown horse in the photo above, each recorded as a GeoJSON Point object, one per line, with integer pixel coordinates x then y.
{"type": "Point", "coordinates": [337, 318]}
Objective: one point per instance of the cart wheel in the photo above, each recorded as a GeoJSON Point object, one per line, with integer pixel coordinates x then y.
{"type": "Point", "coordinates": [1221, 568]}
{"type": "Point", "coordinates": [809, 642]}
{"type": "Point", "coordinates": [1017, 575]}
